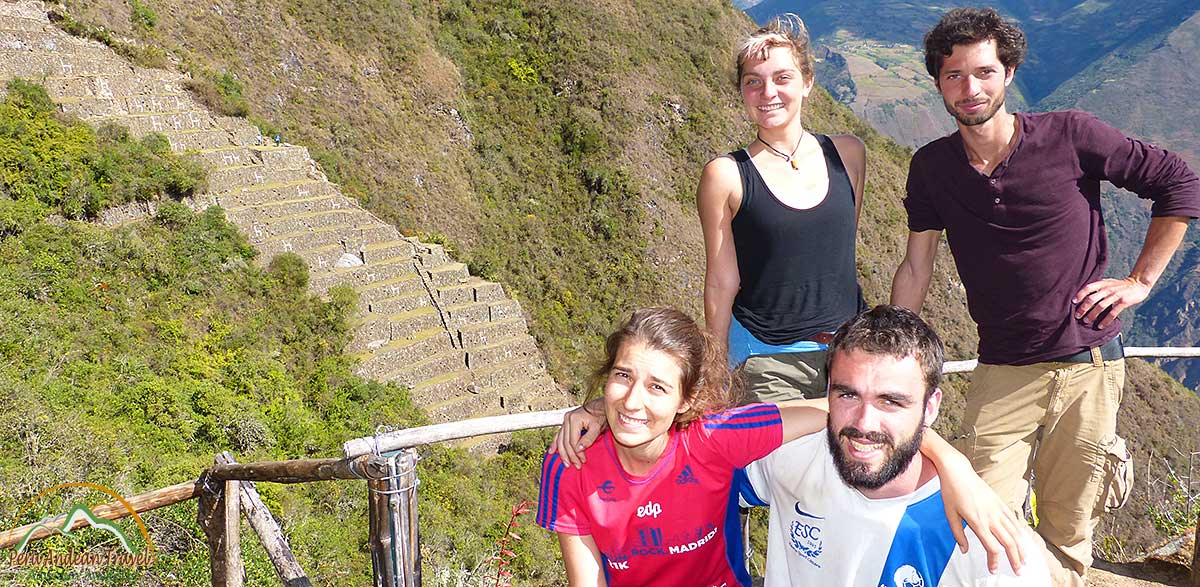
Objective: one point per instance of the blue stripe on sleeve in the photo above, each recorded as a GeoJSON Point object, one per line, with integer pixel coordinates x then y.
{"type": "Point", "coordinates": [743, 486]}
{"type": "Point", "coordinates": [752, 416]}
{"type": "Point", "coordinates": [751, 410]}
{"type": "Point", "coordinates": [776, 421]}
{"type": "Point", "coordinates": [542, 495]}
{"type": "Point", "coordinates": [552, 470]}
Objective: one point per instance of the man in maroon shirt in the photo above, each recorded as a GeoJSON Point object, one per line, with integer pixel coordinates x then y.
{"type": "Point", "coordinates": [1019, 198]}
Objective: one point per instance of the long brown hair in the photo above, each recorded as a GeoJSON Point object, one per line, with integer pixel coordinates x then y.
{"type": "Point", "coordinates": [706, 380]}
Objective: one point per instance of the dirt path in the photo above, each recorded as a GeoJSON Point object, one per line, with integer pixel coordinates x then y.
{"type": "Point", "coordinates": [1166, 566]}
{"type": "Point", "coordinates": [1100, 578]}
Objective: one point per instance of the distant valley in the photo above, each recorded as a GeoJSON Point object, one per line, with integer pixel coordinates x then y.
{"type": "Point", "coordinates": [1128, 63]}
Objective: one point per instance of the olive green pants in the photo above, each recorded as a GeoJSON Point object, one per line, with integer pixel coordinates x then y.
{"type": "Point", "coordinates": [1074, 406]}
{"type": "Point", "coordinates": [783, 376]}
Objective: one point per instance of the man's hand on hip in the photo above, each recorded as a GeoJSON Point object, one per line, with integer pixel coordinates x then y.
{"type": "Point", "coordinates": [1108, 298]}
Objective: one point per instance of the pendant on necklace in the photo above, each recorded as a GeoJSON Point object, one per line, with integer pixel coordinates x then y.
{"type": "Point", "coordinates": [795, 164]}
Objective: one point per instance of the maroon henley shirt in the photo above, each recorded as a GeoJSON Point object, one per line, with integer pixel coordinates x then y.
{"type": "Point", "coordinates": [1031, 234]}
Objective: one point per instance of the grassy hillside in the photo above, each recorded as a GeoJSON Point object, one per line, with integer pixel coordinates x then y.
{"type": "Point", "coordinates": [554, 145]}
{"type": "Point", "coordinates": [130, 357]}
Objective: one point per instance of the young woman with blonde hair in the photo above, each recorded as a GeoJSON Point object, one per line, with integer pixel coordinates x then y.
{"type": "Point", "coordinates": [779, 220]}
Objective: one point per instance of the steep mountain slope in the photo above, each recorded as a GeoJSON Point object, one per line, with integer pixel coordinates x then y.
{"type": "Point", "coordinates": [554, 145]}
{"type": "Point", "coordinates": [423, 322]}
{"type": "Point", "coordinates": [559, 162]}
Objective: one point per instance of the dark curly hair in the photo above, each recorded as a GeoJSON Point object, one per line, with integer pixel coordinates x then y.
{"type": "Point", "coordinates": [893, 331]}
{"type": "Point", "coordinates": [706, 379]}
{"type": "Point", "coordinates": [967, 26]}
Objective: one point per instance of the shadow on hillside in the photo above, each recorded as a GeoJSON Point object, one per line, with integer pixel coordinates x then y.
{"type": "Point", "coordinates": [1166, 565]}
{"type": "Point", "coordinates": [1156, 571]}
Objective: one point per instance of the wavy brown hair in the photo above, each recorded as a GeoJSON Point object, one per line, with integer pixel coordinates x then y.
{"type": "Point", "coordinates": [968, 26]}
{"type": "Point", "coordinates": [706, 380]}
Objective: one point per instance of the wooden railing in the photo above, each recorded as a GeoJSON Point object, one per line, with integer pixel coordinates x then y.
{"type": "Point", "coordinates": [387, 462]}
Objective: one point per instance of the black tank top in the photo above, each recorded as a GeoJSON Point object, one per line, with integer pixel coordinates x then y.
{"type": "Point", "coordinates": [797, 267]}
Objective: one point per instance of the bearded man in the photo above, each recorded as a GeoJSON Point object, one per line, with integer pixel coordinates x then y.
{"type": "Point", "coordinates": [859, 505]}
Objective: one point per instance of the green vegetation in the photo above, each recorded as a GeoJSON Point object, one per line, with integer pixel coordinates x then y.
{"type": "Point", "coordinates": [142, 16]}
{"type": "Point", "coordinates": [465, 508]}
{"type": "Point", "coordinates": [143, 20]}
{"type": "Point", "coordinates": [55, 165]}
{"type": "Point", "coordinates": [130, 357]}
{"type": "Point", "coordinates": [220, 92]}
{"type": "Point", "coordinates": [1177, 514]}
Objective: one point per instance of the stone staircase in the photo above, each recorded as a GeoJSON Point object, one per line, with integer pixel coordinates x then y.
{"type": "Point", "coordinates": [457, 341]}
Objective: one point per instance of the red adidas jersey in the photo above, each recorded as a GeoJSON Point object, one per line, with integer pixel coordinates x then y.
{"type": "Point", "coordinates": [670, 526]}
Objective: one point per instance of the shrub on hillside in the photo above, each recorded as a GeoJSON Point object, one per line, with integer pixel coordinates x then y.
{"type": "Point", "coordinates": [142, 17]}
{"type": "Point", "coordinates": [220, 92]}
{"type": "Point", "coordinates": [50, 163]}
{"type": "Point", "coordinates": [129, 357]}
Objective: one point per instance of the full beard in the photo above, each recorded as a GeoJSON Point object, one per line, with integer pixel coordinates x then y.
{"type": "Point", "coordinates": [859, 475]}
{"type": "Point", "coordinates": [975, 119]}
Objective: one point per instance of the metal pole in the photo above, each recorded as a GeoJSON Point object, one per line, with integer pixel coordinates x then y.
{"type": "Point", "coordinates": [380, 540]}
{"type": "Point", "coordinates": [395, 555]}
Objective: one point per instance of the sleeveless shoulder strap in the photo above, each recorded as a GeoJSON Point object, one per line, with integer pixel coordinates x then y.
{"type": "Point", "coordinates": [837, 169]}
{"type": "Point", "coordinates": [747, 172]}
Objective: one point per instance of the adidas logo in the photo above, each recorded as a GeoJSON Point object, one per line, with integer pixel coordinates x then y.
{"type": "Point", "coordinates": [686, 476]}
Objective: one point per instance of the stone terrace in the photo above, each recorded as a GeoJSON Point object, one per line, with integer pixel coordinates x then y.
{"type": "Point", "coordinates": [457, 341]}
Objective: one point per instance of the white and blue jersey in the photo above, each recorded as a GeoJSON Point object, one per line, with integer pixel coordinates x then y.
{"type": "Point", "coordinates": [824, 532]}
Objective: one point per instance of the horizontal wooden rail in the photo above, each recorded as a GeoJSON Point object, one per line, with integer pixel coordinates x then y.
{"type": "Point", "coordinates": [410, 437]}
{"type": "Point", "coordinates": [1130, 351]}
{"type": "Point", "coordinates": [115, 510]}
{"type": "Point", "coordinates": [302, 471]}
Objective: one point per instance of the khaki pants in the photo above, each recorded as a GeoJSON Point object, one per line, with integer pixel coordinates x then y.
{"type": "Point", "coordinates": [1075, 405]}
{"type": "Point", "coordinates": [784, 376]}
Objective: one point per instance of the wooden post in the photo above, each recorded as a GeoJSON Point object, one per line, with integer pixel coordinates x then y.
{"type": "Point", "coordinates": [395, 554]}
{"type": "Point", "coordinates": [234, 573]}
{"type": "Point", "coordinates": [219, 518]}
{"type": "Point", "coordinates": [379, 539]}
{"type": "Point", "coordinates": [1196, 555]}
{"type": "Point", "coordinates": [269, 533]}
{"type": "Point", "coordinates": [408, 466]}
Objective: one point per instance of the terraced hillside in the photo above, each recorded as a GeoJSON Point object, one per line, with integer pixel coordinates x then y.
{"type": "Point", "coordinates": [458, 341]}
